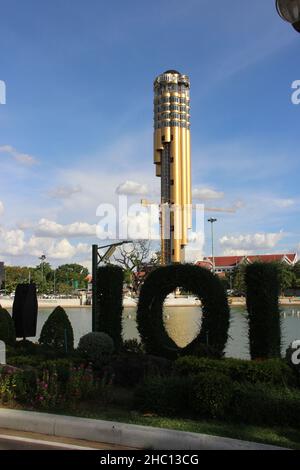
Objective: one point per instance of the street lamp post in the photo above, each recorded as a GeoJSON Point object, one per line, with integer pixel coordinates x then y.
{"type": "Point", "coordinates": [289, 10]}
{"type": "Point", "coordinates": [212, 221]}
{"type": "Point", "coordinates": [42, 258]}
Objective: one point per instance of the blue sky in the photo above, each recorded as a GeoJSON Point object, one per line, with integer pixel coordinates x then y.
{"type": "Point", "coordinates": [78, 118]}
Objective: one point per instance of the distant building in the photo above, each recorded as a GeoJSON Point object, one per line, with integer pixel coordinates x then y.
{"type": "Point", "coordinates": [2, 273]}
{"type": "Point", "coordinates": [226, 264]}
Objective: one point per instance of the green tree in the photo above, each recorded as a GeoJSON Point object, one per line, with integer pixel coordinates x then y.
{"type": "Point", "coordinates": [296, 271]}
{"type": "Point", "coordinates": [238, 279]}
{"type": "Point", "coordinates": [70, 277]}
{"type": "Point", "coordinates": [287, 277]}
{"type": "Point", "coordinates": [57, 332]}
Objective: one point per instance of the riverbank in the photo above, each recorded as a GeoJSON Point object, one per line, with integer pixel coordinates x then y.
{"type": "Point", "coordinates": [129, 302]}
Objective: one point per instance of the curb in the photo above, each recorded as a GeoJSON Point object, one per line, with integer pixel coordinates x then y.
{"type": "Point", "coordinates": [127, 435]}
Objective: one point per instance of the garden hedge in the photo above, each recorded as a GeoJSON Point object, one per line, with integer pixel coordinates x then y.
{"type": "Point", "coordinates": [109, 305]}
{"type": "Point", "coordinates": [194, 279]}
{"type": "Point", "coordinates": [214, 396]}
{"type": "Point", "coordinates": [263, 288]}
{"type": "Point", "coordinates": [7, 328]}
{"type": "Point", "coordinates": [272, 371]}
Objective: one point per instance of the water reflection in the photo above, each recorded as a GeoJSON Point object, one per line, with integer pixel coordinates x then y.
{"type": "Point", "coordinates": [183, 324]}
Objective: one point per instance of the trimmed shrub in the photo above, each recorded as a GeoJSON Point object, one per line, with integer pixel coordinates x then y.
{"type": "Point", "coordinates": [26, 347]}
{"type": "Point", "coordinates": [165, 396]}
{"type": "Point", "coordinates": [7, 328]}
{"type": "Point", "coordinates": [263, 288]}
{"type": "Point", "coordinates": [211, 395]}
{"type": "Point", "coordinates": [263, 404]}
{"type": "Point", "coordinates": [96, 348]}
{"type": "Point", "coordinates": [215, 311]}
{"type": "Point", "coordinates": [272, 371]}
{"type": "Point", "coordinates": [130, 369]}
{"type": "Point", "coordinates": [109, 305]}
{"type": "Point", "coordinates": [57, 332]}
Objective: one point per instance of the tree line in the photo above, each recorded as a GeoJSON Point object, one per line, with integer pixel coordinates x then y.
{"type": "Point", "coordinates": [64, 279]}
{"type": "Point", "coordinates": [289, 278]}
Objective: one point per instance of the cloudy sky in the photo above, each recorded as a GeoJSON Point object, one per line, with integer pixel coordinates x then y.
{"type": "Point", "coordinates": [76, 130]}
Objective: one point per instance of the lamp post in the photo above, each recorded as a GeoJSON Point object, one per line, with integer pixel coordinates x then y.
{"type": "Point", "coordinates": [42, 258]}
{"type": "Point", "coordinates": [212, 221]}
{"type": "Point", "coordinates": [289, 10]}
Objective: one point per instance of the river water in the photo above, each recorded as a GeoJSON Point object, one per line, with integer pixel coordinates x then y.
{"type": "Point", "coordinates": [183, 323]}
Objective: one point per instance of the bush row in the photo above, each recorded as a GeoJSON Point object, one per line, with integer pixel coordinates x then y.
{"type": "Point", "coordinates": [271, 371]}
{"type": "Point", "coordinates": [212, 395]}
{"type": "Point", "coordinates": [53, 384]}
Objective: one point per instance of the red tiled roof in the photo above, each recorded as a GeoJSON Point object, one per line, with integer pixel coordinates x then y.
{"type": "Point", "coordinates": [225, 260]}
{"type": "Point", "coordinates": [231, 261]}
{"type": "Point", "coordinates": [204, 264]}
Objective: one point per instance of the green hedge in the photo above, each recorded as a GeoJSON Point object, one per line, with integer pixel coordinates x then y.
{"type": "Point", "coordinates": [165, 396]}
{"type": "Point", "coordinates": [271, 371]}
{"type": "Point", "coordinates": [109, 306]}
{"type": "Point", "coordinates": [130, 369]}
{"type": "Point", "coordinates": [214, 396]}
{"type": "Point", "coordinates": [262, 289]}
{"type": "Point", "coordinates": [7, 328]}
{"type": "Point", "coordinates": [215, 311]}
{"type": "Point", "coordinates": [266, 405]}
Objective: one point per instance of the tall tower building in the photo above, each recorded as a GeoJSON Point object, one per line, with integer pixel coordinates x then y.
{"type": "Point", "coordinates": [173, 161]}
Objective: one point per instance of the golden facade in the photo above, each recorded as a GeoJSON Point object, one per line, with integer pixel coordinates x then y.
{"type": "Point", "coordinates": [173, 161]}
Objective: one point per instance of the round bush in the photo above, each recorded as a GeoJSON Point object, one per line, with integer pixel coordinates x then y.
{"type": "Point", "coordinates": [7, 328]}
{"type": "Point", "coordinates": [57, 332]}
{"type": "Point", "coordinates": [96, 347]}
{"type": "Point", "coordinates": [212, 394]}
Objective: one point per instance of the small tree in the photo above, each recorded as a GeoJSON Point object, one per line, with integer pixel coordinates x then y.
{"type": "Point", "coordinates": [57, 332]}
{"type": "Point", "coordinates": [7, 328]}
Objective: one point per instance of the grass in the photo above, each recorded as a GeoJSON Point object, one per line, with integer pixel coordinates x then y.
{"type": "Point", "coordinates": [278, 436]}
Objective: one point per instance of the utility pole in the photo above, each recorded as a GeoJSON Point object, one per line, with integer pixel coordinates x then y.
{"type": "Point", "coordinates": [212, 221]}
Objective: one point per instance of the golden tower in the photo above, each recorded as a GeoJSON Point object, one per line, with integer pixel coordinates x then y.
{"type": "Point", "coordinates": [172, 158]}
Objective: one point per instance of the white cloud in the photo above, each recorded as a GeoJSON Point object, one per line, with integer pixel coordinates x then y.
{"type": "Point", "coordinates": [204, 194]}
{"type": "Point", "coordinates": [49, 228]}
{"type": "Point", "coordinates": [61, 249]}
{"type": "Point", "coordinates": [64, 192]}
{"type": "Point", "coordinates": [132, 188]}
{"type": "Point", "coordinates": [12, 242]}
{"type": "Point", "coordinates": [250, 241]}
{"type": "Point", "coordinates": [1, 207]}
{"type": "Point", "coordinates": [19, 157]}
{"type": "Point", "coordinates": [284, 203]}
